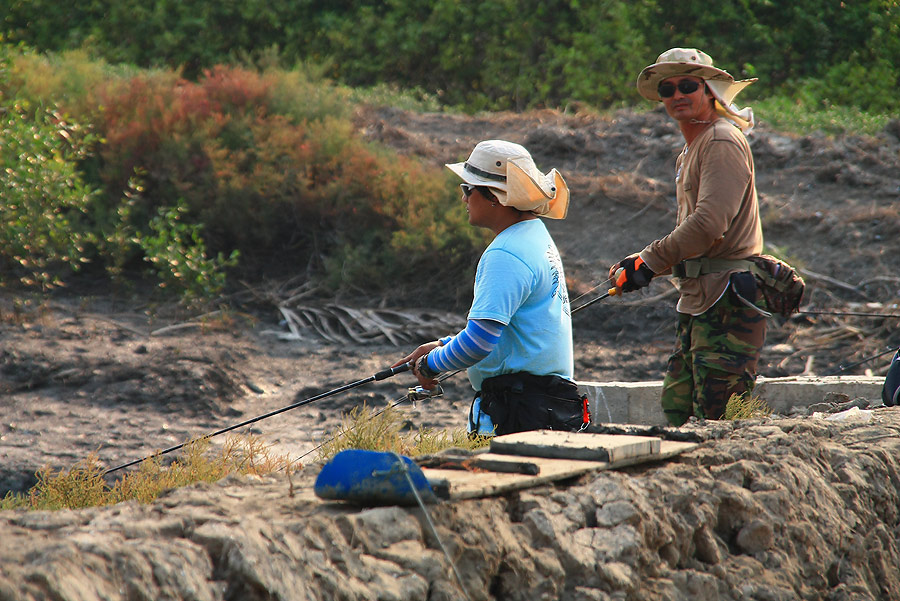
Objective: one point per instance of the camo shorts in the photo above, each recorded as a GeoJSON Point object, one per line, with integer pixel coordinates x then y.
{"type": "Point", "coordinates": [715, 357]}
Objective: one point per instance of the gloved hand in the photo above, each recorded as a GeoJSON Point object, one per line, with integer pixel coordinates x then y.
{"type": "Point", "coordinates": [633, 274]}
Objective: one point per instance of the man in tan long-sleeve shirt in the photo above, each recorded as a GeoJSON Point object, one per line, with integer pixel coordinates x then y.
{"type": "Point", "coordinates": [721, 328]}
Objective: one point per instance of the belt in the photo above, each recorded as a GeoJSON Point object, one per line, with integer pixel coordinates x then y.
{"type": "Point", "coordinates": [694, 268]}
{"type": "Point", "coordinates": [518, 382]}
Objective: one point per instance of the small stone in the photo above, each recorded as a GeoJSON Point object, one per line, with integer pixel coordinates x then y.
{"type": "Point", "coordinates": [755, 536]}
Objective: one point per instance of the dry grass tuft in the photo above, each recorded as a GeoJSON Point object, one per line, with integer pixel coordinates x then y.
{"type": "Point", "coordinates": [85, 486]}
{"type": "Point", "coordinates": [744, 406]}
{"type": "Point", "coordinates": [365, 428]}
{"type": "Point", "coordinates": [362, 428]}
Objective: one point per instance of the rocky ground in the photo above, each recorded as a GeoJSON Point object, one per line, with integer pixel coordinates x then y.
{"type": "Point", "coordinates": [780, 509]}
{"type": "Point", "coordinates": [766, 509]}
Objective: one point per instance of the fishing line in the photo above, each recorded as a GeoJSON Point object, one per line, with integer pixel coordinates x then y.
{"type": "Point", "coordinates": [605, 282]}
{"type": "Point", "coordinates": [405, 398]}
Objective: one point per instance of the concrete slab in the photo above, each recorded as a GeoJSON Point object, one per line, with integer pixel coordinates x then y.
{"type": "Point", "coordinates": [638, 402]}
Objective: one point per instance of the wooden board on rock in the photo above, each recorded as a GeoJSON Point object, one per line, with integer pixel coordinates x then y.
{"type": "Point", "coordinates": [575, 445]}
{"type": "Point", "coordinates": [468, 484]}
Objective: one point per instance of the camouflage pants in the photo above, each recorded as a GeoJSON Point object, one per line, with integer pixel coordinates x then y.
{"type": "Point", "coordinates": [715, 356]}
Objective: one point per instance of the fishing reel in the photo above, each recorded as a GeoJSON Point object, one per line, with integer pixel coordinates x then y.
{"type": "Point", "coordinates": [419, 393]}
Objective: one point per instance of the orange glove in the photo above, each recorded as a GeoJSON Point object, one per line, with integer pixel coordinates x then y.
{"type": "Point", "coordinates": [633, 275]}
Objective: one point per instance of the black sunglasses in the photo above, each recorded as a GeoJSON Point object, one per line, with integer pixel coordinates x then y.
{"type": "Point", "coordinates": [686, 86]}
{"type": "Point", "coordinates": [469, 188]}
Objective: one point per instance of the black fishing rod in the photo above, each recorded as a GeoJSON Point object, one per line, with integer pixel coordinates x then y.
{"type": "Point", "coordinates": [413, 395]}
{"type": "Point", "coordinates": [382, 375]}
{"type": "Point", "coordinates": [841, 368]}
{"type": "Point", "coordinates": [608, 293]}
{"type": "Point", "coordinates": [847, 313]}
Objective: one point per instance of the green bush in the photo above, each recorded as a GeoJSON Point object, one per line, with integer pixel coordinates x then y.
{"type": "Point", "coordinates": [178, 254]}
{"type": "Point", "coordinates": [265, 165]}
{"type": "Point", "coordinates": [499, 54]}
{"type": "Point", "coordinates": [804, 113]}
{"type": "Point", "coordinates": [45, 200]}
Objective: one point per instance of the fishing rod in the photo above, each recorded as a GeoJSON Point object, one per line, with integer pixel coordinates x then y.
{"type": "Point", "coordinates": [413, 395]}
{"type": "Point", "coordinates": [847, 313]}
{"type": "Point", "coordinates": [610, 292]}
{"type": "Point", "coordinates": [382, 375]}
{"type": "Point", "coordinates": [841, 368]}
{"type": "Point", "coordinates": [419, 393]}
{"type": "Point", "coordinates": [582, 295]}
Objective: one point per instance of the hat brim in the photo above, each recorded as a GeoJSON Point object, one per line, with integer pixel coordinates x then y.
{"type": "Point", "coordinates": [650, 77]}
{"type": "Point", "coordinates": [473, 179]}
{"type": "Point", "coordinates": [545, 195]}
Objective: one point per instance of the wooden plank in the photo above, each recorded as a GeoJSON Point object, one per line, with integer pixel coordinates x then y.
{"type": "Point", "coordinates": [459, 484]}
{"type": "Point", "coordinates": [575, 445]}
{"type": "Point", "coordinates": [467, 485]}
{"type": "Point", "coordinates": [481, 462]}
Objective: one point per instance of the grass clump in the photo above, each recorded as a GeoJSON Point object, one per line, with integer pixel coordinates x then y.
{"type": "Point", "coordinates": [365, 428]}
{"type": "Point", "coordinates": [745, 406]}
{"type": "Point", "coordinates": [804, 116]}
{"type": "Point", "coordinates": [84, 485]}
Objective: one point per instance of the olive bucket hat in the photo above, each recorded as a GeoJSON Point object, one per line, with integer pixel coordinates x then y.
{"type": "Point", "coordinates": [693, 62]}
{"type": "Point", "coordinates": [509, 171]}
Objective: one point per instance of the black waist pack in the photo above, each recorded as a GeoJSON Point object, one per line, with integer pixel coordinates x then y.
{"type": "Point", "coordinates": [780, 284]}
{"type": "Point", "coordinates": [521, 402]}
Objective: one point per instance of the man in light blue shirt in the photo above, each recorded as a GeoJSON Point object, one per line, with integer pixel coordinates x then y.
{"type": "Point", "coordinates": [517, 344]}
{"type": "Point", "coordinates": [520, 284]}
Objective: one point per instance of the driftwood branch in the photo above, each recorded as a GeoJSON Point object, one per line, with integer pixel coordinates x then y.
{"type": "Point", "coordinates": [344, 324]}
{"type": "Point", "coordinates": [193, 323]}
{"type": "Point", "coordinates": [834, 282]}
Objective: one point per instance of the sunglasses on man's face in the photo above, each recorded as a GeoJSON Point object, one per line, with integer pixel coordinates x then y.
{"type": "Point", "coordinates": [485, 192]}
{"type": "Point", "coordinates": [686, 86]}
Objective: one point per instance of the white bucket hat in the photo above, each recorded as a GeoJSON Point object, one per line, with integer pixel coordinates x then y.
{"type": "Point", "coordinates": [693, 62]}
{"type": "Point", "coordinates": [509, 171]}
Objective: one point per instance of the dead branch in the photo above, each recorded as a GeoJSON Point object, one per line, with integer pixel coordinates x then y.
{"type": "Point", "coordinates": [832, 281]}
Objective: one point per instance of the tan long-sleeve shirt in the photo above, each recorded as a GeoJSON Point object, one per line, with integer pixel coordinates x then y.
{"type": "Point", "coordinates": [718, 213]}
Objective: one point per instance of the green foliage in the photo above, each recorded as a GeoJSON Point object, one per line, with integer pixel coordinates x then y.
{"type": "Point", "coordinates": [802, 114]}
{"type": "Point", "coordinates": [178, 253]}
{"type": "Point", "coordinates": [266, 165]}
{"type": "Point", "coordinates": [45, 199]}
{"type": "Point", "coordinates": [865, 85]}
{"type": "Point", "coordinates": [500, 54]}
{"type": "Point", "coordinates": [391, 95]}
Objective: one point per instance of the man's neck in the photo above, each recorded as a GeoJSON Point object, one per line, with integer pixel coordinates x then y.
{"type": "Point", "coordinates": [691, 128]}
{"type": "Point", "coordinates": [511, 218]}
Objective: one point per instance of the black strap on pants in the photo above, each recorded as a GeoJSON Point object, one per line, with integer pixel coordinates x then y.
{"type": "Point", "coordinates": [521, 401]}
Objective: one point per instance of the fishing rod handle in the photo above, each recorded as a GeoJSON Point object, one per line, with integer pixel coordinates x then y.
{"type": "Point", "coordinates": [392, 371]}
